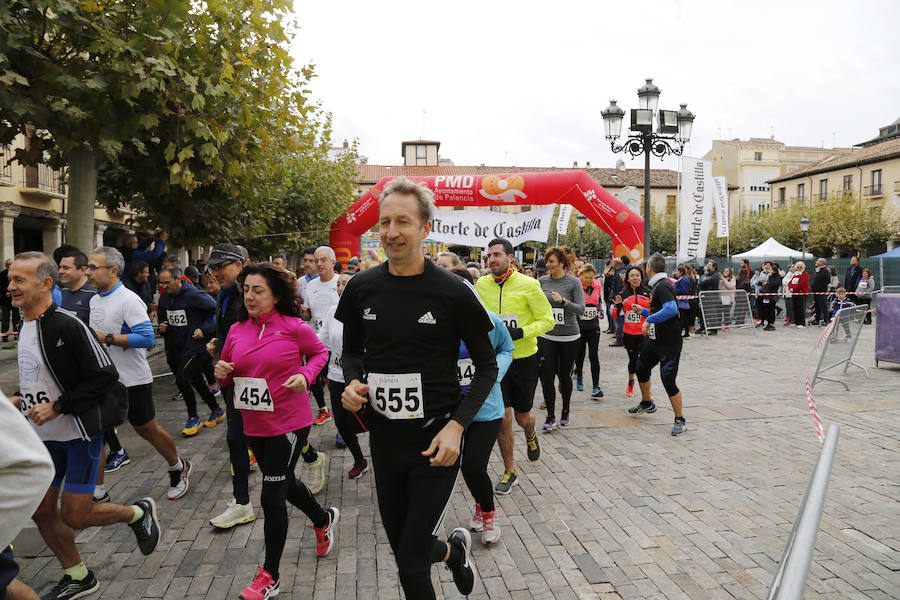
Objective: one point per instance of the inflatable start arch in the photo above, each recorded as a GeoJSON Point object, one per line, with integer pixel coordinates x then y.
{"type": "Point", "coordinates": [559, 187]}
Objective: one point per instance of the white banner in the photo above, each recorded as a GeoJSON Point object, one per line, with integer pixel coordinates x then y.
{"type": "Point", "coordinates": [562, 221]}
{"type": "Point", "coordinates": [696, 206]}
{"type": "Point", "coordinates": [720, 191]}
{"type": "Point", "coordinates": [478, 227]}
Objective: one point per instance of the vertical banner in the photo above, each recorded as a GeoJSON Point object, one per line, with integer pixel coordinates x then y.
{"type": "Point", "coordinates": [720, 188]}
{"type": "Point", "coordinates": [696, 206]}
{"type": "Point", "coordinates": [562, 221]}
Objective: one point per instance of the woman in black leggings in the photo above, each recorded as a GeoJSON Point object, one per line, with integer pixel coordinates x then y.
{"type": "Point", "coordinates": [589, 324]}
{"type": "Point", "coordinates": [635, 292]}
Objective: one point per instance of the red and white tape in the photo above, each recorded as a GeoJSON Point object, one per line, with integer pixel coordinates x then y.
{"type": "Point", "coordinates": [820, 430]}
{"type": "Point", "coordinates": [825, 334]}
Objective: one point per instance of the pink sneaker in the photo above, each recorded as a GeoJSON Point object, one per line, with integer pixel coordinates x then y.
{"type": "Point", "coordinates": [325, 535]}
{"type": "Point", "coordinates": [476, 523]}
{"type": "Point", "coordinates": [263, 587]}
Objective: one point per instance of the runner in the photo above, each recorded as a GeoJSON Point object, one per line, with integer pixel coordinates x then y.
{"type": "Point", "coordinates": [186, 316]}
{"type": "Point", "coordinates": [65, 376]}
{"type": "Point", "coordinates": [559, 346]}
{"type": "Point", "coordinates": [663, 345]}
{"type": "Point", "coordinates": [403, 321]}
{"type": "Point", "coordinates": [525, 311]}
{"type": "Point", "coordinates": [482, 433]}
{"type": "Point", "coordinates": [119, 320]}
{"type": "Point", "coordinates": [332, 335]}
{"type": "Point", "coordinates": [309, 270]}
{"type": "Point", "coordinates": [319, 297]}
{"type": "Point", "coordinates": [589, 327]}
{"type": "Point", "coordinates": [635, 293]}
{"type": "Point", "coordinates": [261, 358]}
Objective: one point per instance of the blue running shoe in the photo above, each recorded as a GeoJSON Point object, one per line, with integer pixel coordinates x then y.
{"type": "Point", "coordinates": [680, 426]}
{"type": "Point", "coordinates": [642, 408]}
{"type": "Point", "coordinates": [192, 426]}
{"type": "Point", "coordinates": [339, 441]}
{"type": "Point", "coordinates": [596, 393]}
{"type": "Point", "coordinates": [579, 384]}
{"type": "Point", "coordinates": [116, 461]}
{"type": "Point", "coordinates": [214, 417]}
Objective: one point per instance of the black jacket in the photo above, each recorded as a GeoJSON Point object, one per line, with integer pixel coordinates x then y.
{"type": "Point", "coordinates": [820, 280]}
{"type": "Point", "coordinates": [851, 279]}
{"type": "Point", "coordinates": [228, 302]}
{"type": "Point", "coordinates": [81, 368]}
{"type": "Point", "coordinates": [710, 281]}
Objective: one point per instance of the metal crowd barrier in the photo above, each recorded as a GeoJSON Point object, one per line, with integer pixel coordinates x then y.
{"type": "Point", "coordinates": [838, 348]}
{"type": "Point", "coordinates": [790, 579]}
{"type": "Point", "coordinates": [722, 309]}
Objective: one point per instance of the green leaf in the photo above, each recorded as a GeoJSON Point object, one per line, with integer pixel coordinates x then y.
{"type": "Point", "coordinates": [185, 153]}
{"type": "Point", "coordinates": [170, 152]}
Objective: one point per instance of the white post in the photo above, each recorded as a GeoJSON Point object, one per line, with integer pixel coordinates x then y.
{"type": "Point", "coordinates": [7, 235]}
{"type": "Point", "coordinates": [98, 235]}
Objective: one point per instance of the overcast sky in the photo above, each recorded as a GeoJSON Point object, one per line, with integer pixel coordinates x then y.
{"type": "Point", "coordinates": [523, 83]}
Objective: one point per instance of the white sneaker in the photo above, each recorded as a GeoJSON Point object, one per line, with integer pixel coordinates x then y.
{"type": "Point", "coordinates": [235, 514]}
{"type": "Point", "coordinates": [491, 531]}
{"type": "Point", "coordinates": [800, 326]}
{"type": "Point", "coordinates": [475, 523]}
{"type": "Point", "coordinates": [317, 473]}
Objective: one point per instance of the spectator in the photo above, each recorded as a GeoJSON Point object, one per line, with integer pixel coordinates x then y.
{"type": "Point", "coordinates": [799, 288]}
{"type": "Point", "coordinates": [864, 290]}
{"type": "Point", "coordinates": [138, 281]}
{"type": "Point", "coordinates": [769, 284]}
{"type": "Point", "coordinates": [727, 286]}
{"type": "Point", "coordinates": [841, 301]}
{"type": "Point", "coordinates": [785, 289]}
{"type": "Point", "coordinates": [608, 275]}
{"type": "Point", "coordinates": [133, 251]}
{"type": "Point", "coordinates": [851, 279]}
{"type": "Point", "coordinates": [6, 307]}
{"type": "Point", "coordinates": [683, 288]}
{"type": "Point", "coordinates": [710, 282]}
{"type": "Point", "coordinates": [835, 282]}
{"type": "Point", "coordinates": [818, 285]}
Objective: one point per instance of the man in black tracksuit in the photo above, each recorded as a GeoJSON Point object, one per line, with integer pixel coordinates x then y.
{"type": "Point", "coordinates": [819, 283]}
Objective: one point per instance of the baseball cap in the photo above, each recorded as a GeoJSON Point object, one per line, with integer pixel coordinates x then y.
{"type": "Point", "coordinates": [224, 252]}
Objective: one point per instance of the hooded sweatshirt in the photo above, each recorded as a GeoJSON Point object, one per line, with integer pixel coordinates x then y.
{"type": "Point", "coordinates": [188, 310]}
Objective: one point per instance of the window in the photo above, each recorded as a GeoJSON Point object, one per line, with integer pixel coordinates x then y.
{"type": "Point", "coordinates": [670, 205]}
{"type": "Point", "coordinates": [757, 156]}
{"type": "Point", "coordinates": [848, 183]}
{"type": "Point", "coordinates": [874, 189]}
{"type": "Point", "coordinates": [876, 178]}
{"type": "Point", "coordinates": [801, 191]}
{"type": "Point", "coordinates": [781, 194]}
{"type": "Point", "coordinates": [823, 189]}
{"type": "Point", "coordinates": [5, 167]}
{"type": "Point", "coordinates": [421, 151]}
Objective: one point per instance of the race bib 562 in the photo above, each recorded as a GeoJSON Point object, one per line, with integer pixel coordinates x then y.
{"type": "Point", "coordinates": [176, 318]}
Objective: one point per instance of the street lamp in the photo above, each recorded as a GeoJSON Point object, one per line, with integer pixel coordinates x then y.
{"type": "Point", "coordinates": [582, 221]}
{"type": "Point", "coordinates": [673, 131]}
{"type": "Point", "coordinates": [804, 228]}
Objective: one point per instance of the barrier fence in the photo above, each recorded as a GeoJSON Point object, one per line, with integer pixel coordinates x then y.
{"type": "Point", "coordinates": [721, 309]}
{"type": "Point", "coordinates": [838, 343]}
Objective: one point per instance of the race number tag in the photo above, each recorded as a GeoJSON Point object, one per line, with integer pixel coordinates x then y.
{"type": "Point", "coordinates": [510, 320]}
{"type": "Point", "coordinates": [397, 396]}
{"type": "Point", "coordinates": [176, 318]}
{"type": "Point", "coordinates": [317, 325]}
{"type": "Point", "coordinates": [630, 317]}
{"type": "Point", "coordinates": [252, 393]}
{"type": "Point", "coordinates": [590, 313]}
{"type": "Point", "coordinates": [34, 394]}
{"type": "Point", "coordinates": [651, 331]}
{"type": "Point", "coordinates": [559, 316]}
{"type": "Point", "coordinates": [337, 360]}
{"type": "Point", "coordinates": [464, 371]}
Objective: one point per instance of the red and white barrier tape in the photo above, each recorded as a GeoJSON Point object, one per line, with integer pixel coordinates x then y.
{"type": "Point", "coordinates": [820, 430]}
{"type": "Point", "coordinates": [788, 294]}
{"type": "Point", "coordinates": [825, 333]}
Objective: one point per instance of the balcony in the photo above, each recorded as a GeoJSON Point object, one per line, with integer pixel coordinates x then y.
{"type": "Point", "coordinates": [43, 183]}
{"type": "Point", "coordinates": [873, 191]}
{"type": "Point", "coordinates": [798, 199]}
{"type": "Point", "coordinates": [820, 197]}
{"type": "Point", "coordinates": [6, 176]}
{"type": "Point", "coordinates": [778, 204]}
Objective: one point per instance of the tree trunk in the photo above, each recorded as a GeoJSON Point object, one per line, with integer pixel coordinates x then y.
{"type": "Point", "coordinates": [82, 199]}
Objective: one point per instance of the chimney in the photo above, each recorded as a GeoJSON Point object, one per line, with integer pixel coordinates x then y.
{"type": "Point", "coordinates": [346, 145]}
{"type": "Point", "coordinates": [575, 164]}
{"type": "Point", "coordinates": [587, 165]}
{"type": "Point", "coordinates": [620, 165]}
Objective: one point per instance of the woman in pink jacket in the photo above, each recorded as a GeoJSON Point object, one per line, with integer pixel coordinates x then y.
{"type": "Point", "coordinates": [263, 357]}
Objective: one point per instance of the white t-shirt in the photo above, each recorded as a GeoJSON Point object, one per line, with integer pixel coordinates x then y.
{"type": "Point", "coordinates": [320, 297]}
{"type": "Point", "coordinates": [117, 311]}
{"type": "Point", "coordinates": [332, 335]}
{"type": "Point", "coordinates": [37, 386]}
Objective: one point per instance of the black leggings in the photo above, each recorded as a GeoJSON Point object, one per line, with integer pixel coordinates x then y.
{"type": "Point", "coordinates": [557, 359]}
{"type": "Point", "coordinates": [799, 309]}
{"type": "Point", "coordinates": [277, 456]}
{"type": "Point", "coordinates": [112, 440]}
{"type": "Point", "coordinates": [686, 317]}
{"type": "Point", "coordinates": [766, 306]}
{"type": "Point", "coordinates": [590, 341]}
{"type": "Point", "coordinates": [188, 372]}
{"type": "Point", "coordinates": [342, 419]}
{"type": "Point", "coordinates": [413, 497]}
{"type": "Point", "coordinates": [667, 358]}
{"type": "Point", "coordinates": [480, 438]}
{"type": "Point", "coordinates": [237, 448]}
{"type": "Point", "coordinates": [633, 345]}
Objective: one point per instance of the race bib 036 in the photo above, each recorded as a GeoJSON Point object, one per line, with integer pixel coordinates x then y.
{"type": "Point", "coordinates": [34, 394]}
{"type": "Point", "coordinates": [397, 396]}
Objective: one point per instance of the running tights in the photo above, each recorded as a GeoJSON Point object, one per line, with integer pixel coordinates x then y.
{"type": "Point", "coordinates": [277, 456]}
{"type": "Point", "coordinates": [590, 341]}
{"type": "Point", "coordinates": [188, 377]}
{"type": "Point", "coordinates": [480, 438]}
{"type": "Point", "coordinates": [237, 448]}
{"type": "Point", "coordinates": [633, 345]}
{"type": "Point", "coordinates": [557, 359]}
{"type": "Point", "coordinates": [342, 419]}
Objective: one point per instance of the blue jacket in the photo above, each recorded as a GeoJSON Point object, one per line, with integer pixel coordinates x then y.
{"type": "Point", "coordinates": [199, 313]}
{"type": "Point", "coordinates": [493, 407]}
{"type": "Point", "coordinates": [683, 288]}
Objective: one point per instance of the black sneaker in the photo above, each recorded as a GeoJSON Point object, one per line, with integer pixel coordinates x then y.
{"type": "Point", "coordinates": [464, 573]}
{"type": "Point", "coordinates": [533, 447]}
{"type": "Point", "coordinates": [146, 529]}
{"type": "Point", "coordinates": [642, 408]}
{"type": "Point", "coordinates": [69, 589]}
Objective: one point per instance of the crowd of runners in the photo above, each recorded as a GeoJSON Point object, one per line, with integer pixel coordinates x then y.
{"type": "Point", "coordinates": [433, 360]}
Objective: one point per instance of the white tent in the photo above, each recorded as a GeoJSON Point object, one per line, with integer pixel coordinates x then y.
{"type": "Point", "coordinates": [772, 249]}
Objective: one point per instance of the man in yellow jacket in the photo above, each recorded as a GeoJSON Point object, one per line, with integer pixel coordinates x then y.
{"type": "Point", "coordinates": [525, 310]}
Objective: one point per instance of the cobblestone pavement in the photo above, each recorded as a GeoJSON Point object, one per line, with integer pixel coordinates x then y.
{"type": "Point", "coordinates": [615, 508]}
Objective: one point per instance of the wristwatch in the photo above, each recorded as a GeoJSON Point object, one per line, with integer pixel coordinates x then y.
{"type": "Point", "coordinates": [109, 339]}
{"type": "Point", "coordinates": [57, 406]}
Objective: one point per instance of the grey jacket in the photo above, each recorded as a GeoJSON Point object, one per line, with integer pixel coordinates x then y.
{"type": "Point", "coordinates": [569, 287]}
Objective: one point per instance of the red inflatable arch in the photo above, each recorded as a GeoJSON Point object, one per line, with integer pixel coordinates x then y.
{"type": "Point", "coordinates": [559, 187]}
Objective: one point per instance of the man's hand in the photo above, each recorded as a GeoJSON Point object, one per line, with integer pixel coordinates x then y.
{"type": "Point", "coordinates": [198, 334]}
{"type": "Point", "coordinates": [211, 345]}
{"type": "Point", "coordinates": [163, 236]}
{"type": "Point", "coordinates": [16, 401]}
{"type": "Point", "coordinates": [445, 445]}
{"type": "Point", "coordinates": [42, 413]}
{"type": "Point", "coordinates": [223, 369]}
{"type": "Point", "coordinates": [101, 337]}
{"type": "Point", "coordinates": [163, 327]}
{"type": "Point", "coordinates": [305, 313]}
{"type": "Point", "coordinates": [355, 395]}
{"type": "Point", "coordinates": [645, 328]}
{"type": "Point", "coordinates": [296, 383]}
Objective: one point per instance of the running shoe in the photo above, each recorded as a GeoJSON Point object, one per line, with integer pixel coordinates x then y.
{"type": "Point", "coordinates": [116, 461]}
{"type": "Point", "coordinates": [317, 473]}
{"type": "Point", "coordinates": [549, 424]}
{"type": "Point", "coordinates": [629, 391]}
{"type": "Point", "coordinates": [769, 328]}
{"type": "Point", "coordinates": [103, 499]}
{"type": "Point", "coordinates": [324, 417]}
{"type": "Point", "coordinates": [491, 533]}
{"type": "Point", "coordinates": [325, 535]}
{"type": "Point", "coordinates": [253, 464]}
{"type": "Point", "coordinates": [543, 405]}
{"type": "Point", "coordinates": [192, 426]}
{"type": "Point", "coordinates": [215, 417]}
{"type": "Point", "coordinates": [616, 344]}
{"type": "Point", "coordinates": [476, 523]}
{"type": "Point", "coordinates": [596, 393]}
{"type": "Point", "coordinates": [214, 388]}
{"type": "Point", "coordinates": [146, 529]}
{"type": "Point", "coordinates": [359, 467]}
{"type": "Point", "coordinates": [463, 569]}
{"type": "Point", "coordinates": [69, 589]}
{"type": "Point", "coordinates": [178, 397]}
{"type": "Point", "coordinates": [680, 426]}
{"type": "Point", "coordinates": [263, 587]}
{"type": "Point", "coordinates": [339, 441]}
{"type": "Point", "coordinates": [642, 408]}
{"type": "Point", "coordinates": [179, 482]}
{"type": "Point", "coordinates": [564, 418]}
{"type": "Point", "coordinates": [506, 483]}
{"type": "Point", "coordinates": [579, 384]}
{"type": "Point", "coordinates": [533, 447]}
{"type": "Point", "coordinates": [235, 514]}
{"type": "Point", "coordinates": [800, 326]}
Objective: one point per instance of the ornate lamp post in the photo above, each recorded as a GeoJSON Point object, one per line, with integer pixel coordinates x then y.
{"type": "Point", "coordinates": [804, 228]}
{"type": "Point", "coordinates": [673, 131]}
{"type": "Point", "coordinates": [582, 220]}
